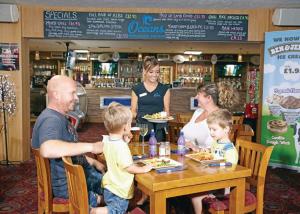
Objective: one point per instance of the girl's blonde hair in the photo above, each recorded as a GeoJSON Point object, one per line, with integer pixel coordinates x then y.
{"type": "Point", "coordinates": [116, 116]}
{"type": "Point", "coordinates": [222, 117]}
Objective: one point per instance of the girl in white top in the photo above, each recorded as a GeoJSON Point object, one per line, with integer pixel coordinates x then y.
{"type": "Point", "coordinates": [196, 131]}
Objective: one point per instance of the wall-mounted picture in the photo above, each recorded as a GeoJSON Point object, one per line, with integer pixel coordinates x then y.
{"type": "Point", "coordinates": [9, 56]}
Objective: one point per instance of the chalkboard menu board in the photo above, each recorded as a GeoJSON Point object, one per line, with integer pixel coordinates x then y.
{"type": "Point", "coordinates": [145, 26]}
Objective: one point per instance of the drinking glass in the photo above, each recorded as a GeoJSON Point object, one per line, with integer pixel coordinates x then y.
{"type": "Point", "coordinates": [143, 131]}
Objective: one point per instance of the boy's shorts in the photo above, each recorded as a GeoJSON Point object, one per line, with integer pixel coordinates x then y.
{"type": "Point", "coordinates": [114, 203]}
{"type": "Point", "coordinates": [93, 182]}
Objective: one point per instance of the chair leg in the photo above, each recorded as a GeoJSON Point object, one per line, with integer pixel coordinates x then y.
{"type": "Point", "coordinates": [41, 207]}
{"type": "Point", "coordinates": [213, 211]}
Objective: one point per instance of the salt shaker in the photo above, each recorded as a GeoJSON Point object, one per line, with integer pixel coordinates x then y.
{"type": "Point", "coordinates": [162, 149]}
{"type": "Point", "coordinates": [168, 148]}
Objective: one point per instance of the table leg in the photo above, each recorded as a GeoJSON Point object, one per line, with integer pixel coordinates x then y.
{"type": "Point", "coordinates": [158, 203]}
{"type": "Point", "coordinates": [237, 197]}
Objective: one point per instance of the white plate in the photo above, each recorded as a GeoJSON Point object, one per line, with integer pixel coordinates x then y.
{"type": "Point", "coordinates": [156, 162]}
{"type": "Point", "coordinates": [193, 157]}
{"type": "Point", "coordinates": [159, 120]}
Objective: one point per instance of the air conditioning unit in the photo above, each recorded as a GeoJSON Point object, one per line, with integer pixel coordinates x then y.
{"type": "Point", "coordinates": [57, 55]}
{"type": "Point", "coordinates": [9, 13]}
{"type": "Point", "coordinates": [286, 17]}
{"type": "Point", "coordinates": [163, 57]}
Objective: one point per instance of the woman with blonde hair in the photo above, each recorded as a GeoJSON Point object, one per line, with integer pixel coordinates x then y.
{"type": "Point", "coordinates": [210, 97]}
{"type": "Point", "coordinates": [150, 96]}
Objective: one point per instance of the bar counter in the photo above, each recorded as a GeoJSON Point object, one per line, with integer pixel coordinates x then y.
{"type": "Point", "coordinates": [180, 100]}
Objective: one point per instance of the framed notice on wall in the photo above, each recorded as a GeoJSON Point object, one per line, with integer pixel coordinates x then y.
{"type": "Point", "coordinates": [145, 26]}
{"type": "Point", "coordinates": [9, 56]}
{"type": "Point", "coordinates": [124, 100]}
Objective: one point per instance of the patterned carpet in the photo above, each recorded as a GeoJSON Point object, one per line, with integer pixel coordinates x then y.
{"type": "Point", "coordinates": [18, 188]}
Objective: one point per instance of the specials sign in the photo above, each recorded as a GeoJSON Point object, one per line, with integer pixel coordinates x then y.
{"type": "Point", "coordinates": [145, 26]}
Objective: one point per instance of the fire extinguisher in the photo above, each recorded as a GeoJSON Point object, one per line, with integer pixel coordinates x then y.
{"type": "Point", "coordinates": [251, 109]}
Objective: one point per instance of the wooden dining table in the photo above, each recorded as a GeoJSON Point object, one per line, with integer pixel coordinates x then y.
{"type": "Point", "coordinates": [195, 178]}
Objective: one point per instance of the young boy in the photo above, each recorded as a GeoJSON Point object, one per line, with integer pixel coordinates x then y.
{"type": "Point", "coordinates": [118, 180]}
{"type": "Point", "coordinates": [219, 123]}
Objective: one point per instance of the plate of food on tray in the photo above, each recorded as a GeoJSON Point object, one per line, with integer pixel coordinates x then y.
{"type": "Point", "coordinates": [160, 117]}
{"type": "Point", "coordinates": [203, 157]}
{"type": "Point", "coordinates": [158, 163]}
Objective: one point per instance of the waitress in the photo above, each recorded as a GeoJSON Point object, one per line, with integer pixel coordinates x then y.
{"type": "Point", "coordinates": [150, 96]}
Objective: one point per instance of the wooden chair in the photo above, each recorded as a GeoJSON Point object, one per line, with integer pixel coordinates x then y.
{"type": "Point", "coordinates": [237, 123]}
{"type": "Point", "coordinates": [237, 120]}
{"type": "Point", "coordinates": [256, 157]}
{"type": "Point", "coordinates": [46, 202]}
{"type": "Point", "coordinates": [243, 131]}
{"type": "Point", "coordinates": [183, 117]}
{"type": "Point", "coordinates": [174, 128]}
{"type": "Point", "coordinates": [78, 194]}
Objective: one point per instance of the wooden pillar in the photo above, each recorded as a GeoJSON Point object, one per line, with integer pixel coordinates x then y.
{"type": "Point", "coordinates": [19, 123]}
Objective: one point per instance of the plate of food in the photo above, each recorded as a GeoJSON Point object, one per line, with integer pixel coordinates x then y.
{"type": "Point", "coordinates": [158, 163]}
{"type": "Point", "coordinates": [203, 157]}
{"type": "Point", "coordinates": [160, 117]}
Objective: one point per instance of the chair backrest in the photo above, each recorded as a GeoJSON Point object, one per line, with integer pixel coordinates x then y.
{"type": "Point", "coordinates": [243, 131]}
{"type": "Point", "coordinates": [174, 129]}
{"type": "Point", "coordinates": [174, 126]}
{"type": "Point", "coordinates": [183, 117]}
{"type": "Point", "coordinates": [236, 120]}
{"type": "Point", "coordinates": [78, 195]}
{"type": "Point", "coordinates": [44, 179]}
{"type": "Point", "coordinates": [256, 157]}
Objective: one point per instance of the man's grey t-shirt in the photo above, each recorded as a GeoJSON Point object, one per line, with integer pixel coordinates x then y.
{"type": "Point", "coordinates": [52, 125]}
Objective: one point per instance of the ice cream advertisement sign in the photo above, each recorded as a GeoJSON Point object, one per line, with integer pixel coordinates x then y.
{"type": "Point", "coordinates": [281, 97]}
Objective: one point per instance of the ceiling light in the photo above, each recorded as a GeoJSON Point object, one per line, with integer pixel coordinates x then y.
{"type": "Point", "coordinates": [81, 51]}
{"type": "Point", "coordinates": [140, 57]}
{"type": "Point", "coordinates": [193, 52]}
{"type": "Point", "coordinates": [37, 55]}
{"type": "Point", "coordinates": [240, 56]}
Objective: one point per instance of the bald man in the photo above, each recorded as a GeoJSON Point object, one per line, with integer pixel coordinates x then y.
{"type": "Point", "coordinates": [56, 137]}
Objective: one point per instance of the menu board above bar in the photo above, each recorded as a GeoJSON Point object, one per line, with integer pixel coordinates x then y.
{"type": "Point", "coordinates": [145, 26]}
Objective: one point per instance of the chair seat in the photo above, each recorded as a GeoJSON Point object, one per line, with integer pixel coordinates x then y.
{"type": "Point", "coordinates": [137, 210]}
{"type": "Point", "coordinates": [56, 200]}
{"type": "Point", "coordinates": [219, 205]}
